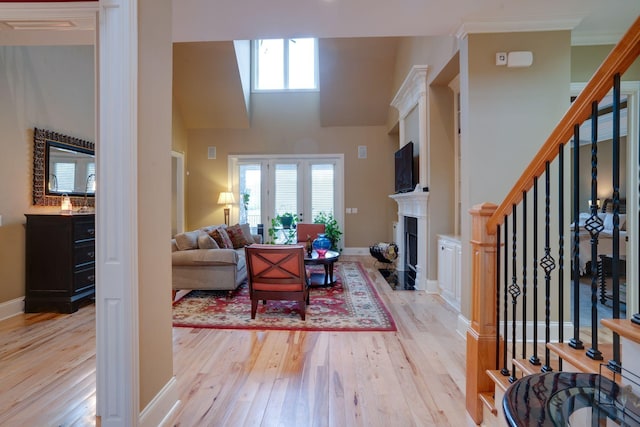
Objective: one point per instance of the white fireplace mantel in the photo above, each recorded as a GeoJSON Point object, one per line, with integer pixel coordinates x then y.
{"type": "Point", "coordinates": [413, 204]}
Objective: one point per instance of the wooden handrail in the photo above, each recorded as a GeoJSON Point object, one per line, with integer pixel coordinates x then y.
{"type": "Point", "coordinates": [617, 62]}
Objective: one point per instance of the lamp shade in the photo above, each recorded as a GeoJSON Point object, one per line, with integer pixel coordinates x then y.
{"type": "Point", "coordinates": [226, 198]}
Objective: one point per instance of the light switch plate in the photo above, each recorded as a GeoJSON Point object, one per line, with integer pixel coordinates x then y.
{"type": "Point", "coordinates": [501, 58]}
{"type": "Point", "coordinates": [362, 151]}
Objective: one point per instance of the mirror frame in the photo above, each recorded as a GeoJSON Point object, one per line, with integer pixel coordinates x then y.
{"type": "Point", "coordinates": [40, 159]}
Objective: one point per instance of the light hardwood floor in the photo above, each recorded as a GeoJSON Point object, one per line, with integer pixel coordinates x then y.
{"type": "Point", "coordinates": [412, 377]}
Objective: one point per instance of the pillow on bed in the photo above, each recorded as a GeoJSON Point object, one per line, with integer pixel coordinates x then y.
{"type": "Point", "coordinates": [608, 222]}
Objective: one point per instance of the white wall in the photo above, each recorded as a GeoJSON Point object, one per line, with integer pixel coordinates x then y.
{"type": "Point", "coordinates": [45, 87]}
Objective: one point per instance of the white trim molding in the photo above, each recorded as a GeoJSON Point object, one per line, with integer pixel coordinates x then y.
{"type": "Point", "coordinates": [117, 330]}
{"type": "Point", "coordinates": [11, 308]}
{"type": "Point", "coordinates": [554, 327]}
{"type": "Point", "coordinates": [162, 407]}
{"type": "Point", "coordinates": [413, 87]}
{"type": "Point", "coordinates": [517, 25]}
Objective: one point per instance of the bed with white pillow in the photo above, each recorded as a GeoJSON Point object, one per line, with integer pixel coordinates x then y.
{"type": "Point", "coordinates": [605, 238]}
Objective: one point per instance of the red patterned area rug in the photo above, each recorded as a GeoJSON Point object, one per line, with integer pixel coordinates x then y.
{"type": "Point", "coordinates": [351, 304]}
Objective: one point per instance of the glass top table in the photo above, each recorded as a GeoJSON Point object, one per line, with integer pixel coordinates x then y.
{"type": "Point", "coordinates": [328, 260]}
{"type": "Point", "coordinates": [570, 399]}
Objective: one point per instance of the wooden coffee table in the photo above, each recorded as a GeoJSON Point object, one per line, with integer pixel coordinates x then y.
{"type": "Point", "coordinates": [319, 279]}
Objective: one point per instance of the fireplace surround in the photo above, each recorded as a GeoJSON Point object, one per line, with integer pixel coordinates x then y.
{"type": "Point", "coordinates": [412, 205]}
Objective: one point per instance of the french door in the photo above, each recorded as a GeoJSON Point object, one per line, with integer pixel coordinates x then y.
{"type": "Point", "coordinates": [274, 185]}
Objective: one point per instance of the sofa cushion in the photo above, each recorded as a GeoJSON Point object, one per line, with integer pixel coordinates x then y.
{"type": "Point", "coordinates": [237, 236]}
{"type": "Point", "coordinates": [204, 257]}
{"type": "Point", "coordinates": [206, 242]}
{"type": "Point", "coordinates": [222, 238]}
{"type": "Point", "coordinates": [246, 230]}
{"type": "Point", "coordinates": [187, 240]}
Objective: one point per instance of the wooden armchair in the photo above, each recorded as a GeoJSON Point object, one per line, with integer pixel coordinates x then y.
{"type": "Point", "coordinates": [306, 231]}
{"type": "Point", "coordinates": [277, 272]}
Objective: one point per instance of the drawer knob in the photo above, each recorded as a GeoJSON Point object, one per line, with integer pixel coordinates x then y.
{"type": "Point", "coordinates": [91, 254]}
{"type": "Point", "coordinates": [92, 277]}
{"type": "Point", "coordinates": [91, 231]}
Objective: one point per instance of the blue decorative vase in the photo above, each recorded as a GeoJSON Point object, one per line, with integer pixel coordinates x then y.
{"type": "Point", "coordinates": [321, 244]}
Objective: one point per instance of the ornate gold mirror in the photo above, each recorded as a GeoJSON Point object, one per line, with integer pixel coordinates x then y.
{"type": "Point", "coordinates": [62, 165]}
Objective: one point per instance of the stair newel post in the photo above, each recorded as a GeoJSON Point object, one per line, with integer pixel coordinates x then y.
{"type": "Point", "coordinates": [481, 335]}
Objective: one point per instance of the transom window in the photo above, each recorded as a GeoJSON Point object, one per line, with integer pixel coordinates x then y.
{"type": "Point", "coordinates": [285, 64]}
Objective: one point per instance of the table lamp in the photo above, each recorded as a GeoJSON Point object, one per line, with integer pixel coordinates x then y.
{"type": "Point", "coordinates": [226, 198]}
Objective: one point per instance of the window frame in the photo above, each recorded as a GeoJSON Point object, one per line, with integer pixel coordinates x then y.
{"type": "Point", "coordinates": [255, 67]}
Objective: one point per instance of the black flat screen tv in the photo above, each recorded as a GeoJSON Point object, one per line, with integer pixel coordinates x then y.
{"type": "Point", "coordinates": [406, 176]}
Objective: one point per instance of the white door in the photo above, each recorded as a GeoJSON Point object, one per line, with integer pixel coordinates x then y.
{"type": "Point", "coordinates": [303, 186]}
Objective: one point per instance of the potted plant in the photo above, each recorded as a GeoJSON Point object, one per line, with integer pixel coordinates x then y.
{"type": "Point", "coordinates": [286, 223]}
{"type": "Point", "coordinates": [331, 228]}
{"type": "Point", "coordinates": [244, 202]}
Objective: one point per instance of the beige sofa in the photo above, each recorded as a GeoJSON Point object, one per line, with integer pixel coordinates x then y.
{"type": "Point", "coordinates": [202, 259]}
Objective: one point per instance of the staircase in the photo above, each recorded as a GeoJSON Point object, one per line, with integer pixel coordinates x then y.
{"type": "Point", "coordinates": [527, 270]}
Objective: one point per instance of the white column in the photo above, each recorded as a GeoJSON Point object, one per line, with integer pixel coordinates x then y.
{"type": "Point", "coordinates": [118, 379]}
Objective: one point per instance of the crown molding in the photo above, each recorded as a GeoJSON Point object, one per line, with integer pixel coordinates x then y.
{"type": "Point", "coordinates": [413, 86]}
{"type": "Point", "coordinates": [48, 11]}
{"type": "Point", "coordinates": [516, 26]}
{"type": "Point", "coordinates": [592, 39]}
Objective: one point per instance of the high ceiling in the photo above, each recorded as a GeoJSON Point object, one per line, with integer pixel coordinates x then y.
{"type": "Point", "coordinates": [358, 43]}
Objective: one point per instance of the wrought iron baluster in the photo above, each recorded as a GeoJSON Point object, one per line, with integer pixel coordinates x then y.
{"type": "Point", "coordinates": [615, 364]}
{"type": "Point", "coordinates": [498, 244]}
{"type": "Point", "coordinates": [534, 360]}
{"type": "Point", "coordinates": [635, 318]}
{"type": "Point", "coordinates": [504, 371]}
{"type": "Point", "coordinates": [514, 290]}
{"type": "Point", "coordinates": [561, 246]}
{"type": "Point", "coordinates": [575, 249]}
{"type": "Point", "coordinates": [548, 265]}
{"type": "Point", "coordinates": [594, 226]}
{"type": "Point", "coordinates": [524, 274]}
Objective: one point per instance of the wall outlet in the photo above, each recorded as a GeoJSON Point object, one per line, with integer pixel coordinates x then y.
{"type": "Point", "coordinates": [354, 210]}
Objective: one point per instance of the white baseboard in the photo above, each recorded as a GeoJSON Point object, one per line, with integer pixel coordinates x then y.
{"type": "Point", "coordinates": [462, 326]}
{"type": "Point", "coordinates": [553, 327]}
{"type": "Point", "coordinates": [11, 308]}
{"type": "Point", "coordinates": [432, 287]}
{"type": "Point", "coordinates": [355, 251]}
{"type": "Point", "coordinates": [159, 411]}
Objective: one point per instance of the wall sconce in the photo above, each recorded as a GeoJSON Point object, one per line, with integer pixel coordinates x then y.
{"type": "Point", "coordinates": [65, 205]}
{"type": "Point", "coordinates": [226, 198]}
{"type": "Point", "coordinates": [597, 203]}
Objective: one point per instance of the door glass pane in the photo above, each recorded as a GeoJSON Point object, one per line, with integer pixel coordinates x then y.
{"type": "Point", "coordinates": [322, 189]}
{"type": "Point", "coordinates": [286, 188]}
{"type": "Point", "coordinates": [250, 194]}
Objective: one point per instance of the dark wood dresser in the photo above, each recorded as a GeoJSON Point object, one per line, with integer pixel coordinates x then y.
{"type": "Point", "coordinates": [60, 262]}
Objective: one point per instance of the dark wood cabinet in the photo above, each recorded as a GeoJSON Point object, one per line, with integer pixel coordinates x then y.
{"type": "Point", "coordinates": [60, 262]}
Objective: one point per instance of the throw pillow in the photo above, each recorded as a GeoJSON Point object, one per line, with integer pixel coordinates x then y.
{"type": "Point", "coordinates": [207, 242]}
{"type": "Point", "coordinates": [222, 238]}
{"type": "Point", "coordinates": [246, 230]}
{"type": "Point", "coordinates": [238, 239]}
{"type": "Point", "coordinates": [187, 240]}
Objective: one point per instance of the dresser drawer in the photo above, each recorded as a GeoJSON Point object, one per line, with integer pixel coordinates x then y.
{"type": "Point", "coordinates": [84, 278]}
{"type": "Point", "coordinates": [84, 253]}
{"type": "Point", "coordinates": [83, 230]}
